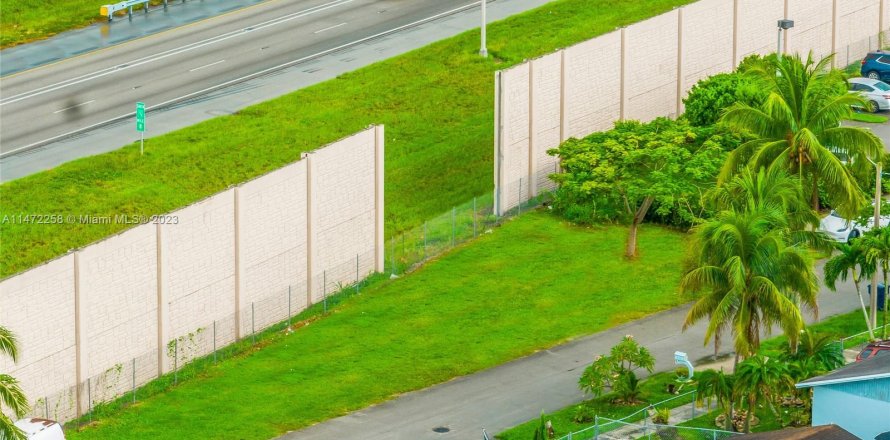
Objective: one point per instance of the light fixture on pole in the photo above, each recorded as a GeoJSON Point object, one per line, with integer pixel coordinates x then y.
{"type": "Point", "coordinates": [784, 25]}
{"type": "Point", "coordinates": [483, 50]}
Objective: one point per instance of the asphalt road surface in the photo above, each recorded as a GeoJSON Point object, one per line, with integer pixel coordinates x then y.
{"type": "Point", "coordinates": [44, 104]}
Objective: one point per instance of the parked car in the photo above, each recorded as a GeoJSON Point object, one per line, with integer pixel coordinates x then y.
{"type": "Point", "coordinates": [874, 349]}
{"type": "Point", "coordinates": [875, 91]}
{"type": "Point", "coordinates": [40, 429]}
{"type": "Point", "coordinates": [843, 230]}
{"type": "Point", "coordinates": [876, 65]}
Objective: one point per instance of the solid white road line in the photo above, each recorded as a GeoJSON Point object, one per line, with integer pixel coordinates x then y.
{"type": "Point", "coordinates": [168, 53]}
{"type": "Point", "coordinates": [73, 106]}
{"type": "Point", "coordinates": [207, 65]}
{"type": "Point", "coordinates": [243, 78]}
{"type": "Point", "coordinates": [328, 28]}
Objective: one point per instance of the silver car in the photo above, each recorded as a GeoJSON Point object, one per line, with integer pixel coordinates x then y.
{"type": "Point", "coordinates": [876, 92]}
{"type": "Point", "coordinates": [843, 230]}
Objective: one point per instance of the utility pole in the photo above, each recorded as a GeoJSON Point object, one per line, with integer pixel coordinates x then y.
{"type": "Point", "coordinates": [483, 50]}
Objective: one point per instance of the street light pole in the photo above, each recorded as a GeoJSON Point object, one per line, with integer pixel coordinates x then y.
{"type": "Point", "coordinates": [784, 25]}
{"type": "Point", "coordinates": [483, 50]}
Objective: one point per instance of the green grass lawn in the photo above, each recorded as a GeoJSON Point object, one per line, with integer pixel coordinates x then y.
{"type": "Point", "coordinates": [869, 118]}
{"type": "Point", "coordinates": [436, 103]}
{"type": "Point", "coordinates": [526, 286]}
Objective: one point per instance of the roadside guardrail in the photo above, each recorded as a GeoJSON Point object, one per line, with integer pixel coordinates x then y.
{"type": "Point", "coordinates": [109, 10]}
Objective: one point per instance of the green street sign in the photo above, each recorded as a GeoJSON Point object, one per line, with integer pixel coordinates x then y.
{"type": "Point", "coordinates": [140, 116]}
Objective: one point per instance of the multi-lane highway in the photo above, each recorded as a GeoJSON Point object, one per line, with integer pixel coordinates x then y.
{"type": "Point", "coordinates": [44, 104]}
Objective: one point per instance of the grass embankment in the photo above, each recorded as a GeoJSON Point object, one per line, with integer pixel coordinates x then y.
{"type": "Point", "coordinates": [869, 118]}
{"type": "Point", "coordinates": [436, 103]}
{"type": "Point", "coordinates": [837, 327]}
{"type": "Point", "coordinates": [524, 287]}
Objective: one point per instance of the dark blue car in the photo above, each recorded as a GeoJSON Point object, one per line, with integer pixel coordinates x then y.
{"type": "Point", "coordinates": [876, 65]}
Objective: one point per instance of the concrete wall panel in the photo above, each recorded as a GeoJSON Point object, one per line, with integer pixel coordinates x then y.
{"type": "Point", "coordinates": [198, 272]}
{"type": "Point", "coordinates": [757, 29]}
{"type": "Point", "coordinates": [857, 29]}
{"type": "Point", "coordinates": [515, 134]}
{"type": "Point", "coordinates": [273, 223]}
{"type": "Point", "coordinates": [706, 41]}
{"type": "Point", "coordinates": [118, 312]}
{"type": "Point", "coordinates": [812, 27]}
{"type": "Point", "coordinates": [38, 307]}
{"type": "Point", "coordinates": [592, 85]}
{"type": "Point", "coordinates": [343, 210]}
{"type": "Point", "coordinates": [546, 117]}
{"type": "Point", "coordinates": [650, 82]}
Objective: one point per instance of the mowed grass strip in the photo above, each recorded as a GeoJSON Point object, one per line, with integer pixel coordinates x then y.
{"type": "Point", "coordinates": [436, 103]}
{"type": "Point", "coordinates": [528, 285]}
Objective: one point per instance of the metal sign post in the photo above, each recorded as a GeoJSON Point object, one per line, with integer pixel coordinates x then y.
{"type": "Point", "coordinates": [140, 125]}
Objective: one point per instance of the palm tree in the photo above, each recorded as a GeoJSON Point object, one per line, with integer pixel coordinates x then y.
{"type": "Point", "coordinates": [719, 386]}
{"type": "Point", "coordinates": [877, 250]}
{"type": "Point", "coordinates": [798, 128]}
{"type": "Point", "coordinates": [851, 259]}
{"type": "Point", "coordinates": [760, 377]}
{"type": "Point", "coordinates": [821, 349]}
{"type": "Point", "coordinates": [11, 394]}
{"type": "Point", "coordinates": [751, 267]}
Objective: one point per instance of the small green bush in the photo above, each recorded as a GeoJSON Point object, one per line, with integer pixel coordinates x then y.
{"type": "Point", "coordinates": [710, 97]}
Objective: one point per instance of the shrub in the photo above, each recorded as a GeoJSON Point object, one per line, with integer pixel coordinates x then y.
{"type": "Point", "coordinates": [662, 416]}
{"type": "Point", "coordinates": [710, 97]}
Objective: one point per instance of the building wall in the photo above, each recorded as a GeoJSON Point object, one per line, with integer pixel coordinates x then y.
{"type": "Point", "coordinates": [859, 407]}
{"type": "Point", "coordinates": [114, 315]}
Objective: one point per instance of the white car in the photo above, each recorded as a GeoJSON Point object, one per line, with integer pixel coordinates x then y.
{"type": "Point", "coordinates": [843, 230]}
{"type": "Point", "coordinates": [876, 92]}
{"type": "Point", "coordinates": [40, 429]}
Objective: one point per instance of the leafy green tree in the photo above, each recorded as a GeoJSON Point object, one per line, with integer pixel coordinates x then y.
{"type": "Point", "coordinates": [629, 355]}
{"type": "Point", "coordinates": [710, 97]}
{"type": "Point", "coordinates": [665, 164]}
{"type": "Point", "coordinates": [11, 395]}
{"type": "Point", "coordinates": [798, 127]}
{"type": "Point", "coordinates": [617, 370]}
{"type": "Point", "coordinates": [851, 260]}
{"type": "Point", "coordinates": [750, 264]}
{"type": "Point", "coordinates": [711, 384]}
{"type": "Point", "coordinates": [761, 378]}
{"type": "Point", "coordinates": [877, 250]}
{"type": "Point", "coordinates": [597, 376]}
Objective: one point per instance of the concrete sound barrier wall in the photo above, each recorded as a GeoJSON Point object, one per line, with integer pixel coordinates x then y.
{"type": "Point", "coordinates": [105, 319]}
{"type": "Point", "coordinates": [645, 70]}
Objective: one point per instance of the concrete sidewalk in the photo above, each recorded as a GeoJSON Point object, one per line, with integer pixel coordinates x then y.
{"type": "Point", "coordinates": [515, 392]}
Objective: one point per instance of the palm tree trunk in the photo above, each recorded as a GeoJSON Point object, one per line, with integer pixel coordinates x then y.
{"type": "Point", "coordinates": [730, 426]}
{"type": "Point", "coordinates": [871, 332]}
{"type": "Point", "coordinates": [815, 196]}
{"type": "Point", "coordinates": [752, 402]}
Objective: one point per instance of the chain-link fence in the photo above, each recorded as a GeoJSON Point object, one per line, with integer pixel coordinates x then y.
{"type": "Point", "coordinates": [641, 424]}
{"type": "Point", "coordinates": [192, 351]}
{"type": "Point", "coordinates": [854, 52]}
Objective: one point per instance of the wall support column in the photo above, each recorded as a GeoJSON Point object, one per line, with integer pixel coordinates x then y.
{"type": "Point", "coordinates": [532, 157]}
{"type": "Point", "coordinates": [80, 364]}
{"type": "Point", "coordinates": [623, 74]}
{"type": "Point", "coordinates": [310, 239]}
{"type": "Point", "coordinates": [379, 243]}
{"type": "Point", "coordinates": [679, 110]}
{"type": "Point", "coordinates": [735, 33]}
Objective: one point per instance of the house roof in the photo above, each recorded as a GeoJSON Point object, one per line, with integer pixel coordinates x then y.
{"type": "Point", "coordinates": [875, 368]}
{"type": "Point", "coordinates": [824, 432]}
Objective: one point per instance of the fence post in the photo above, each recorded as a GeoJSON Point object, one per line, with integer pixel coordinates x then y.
{"type": "Point", "coordinates": [474, 217]}
{"type": "Point", "coordinates": [693, 405]}
{"type": "Point", "coordinates": [288, 306]}
{"type": "Point", "coordinates": [519, 200]}
{"type": "Point", "coordinates": [89, 400]}
{"type": "Point", "coordinates": [596, 427]}
{"type": "Point", "coordinates": [356, 274]}
{"type": "Point", "coordinates": [252, 323]}
{"type": "Point", "coordinates": [214, 341]}
{"type": "Point", "coordinates": [46, 407]}
{"type": "Point", "coordinates": [714, 437]}
{"type": "Point", "coordinates": [134, 380]}
{"type": "Point", "coordinates": [393, 259]}
{"type": "Point", "coordinates": [175, 361]}
{"type": "Point", "coordinates": [324, 287]}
